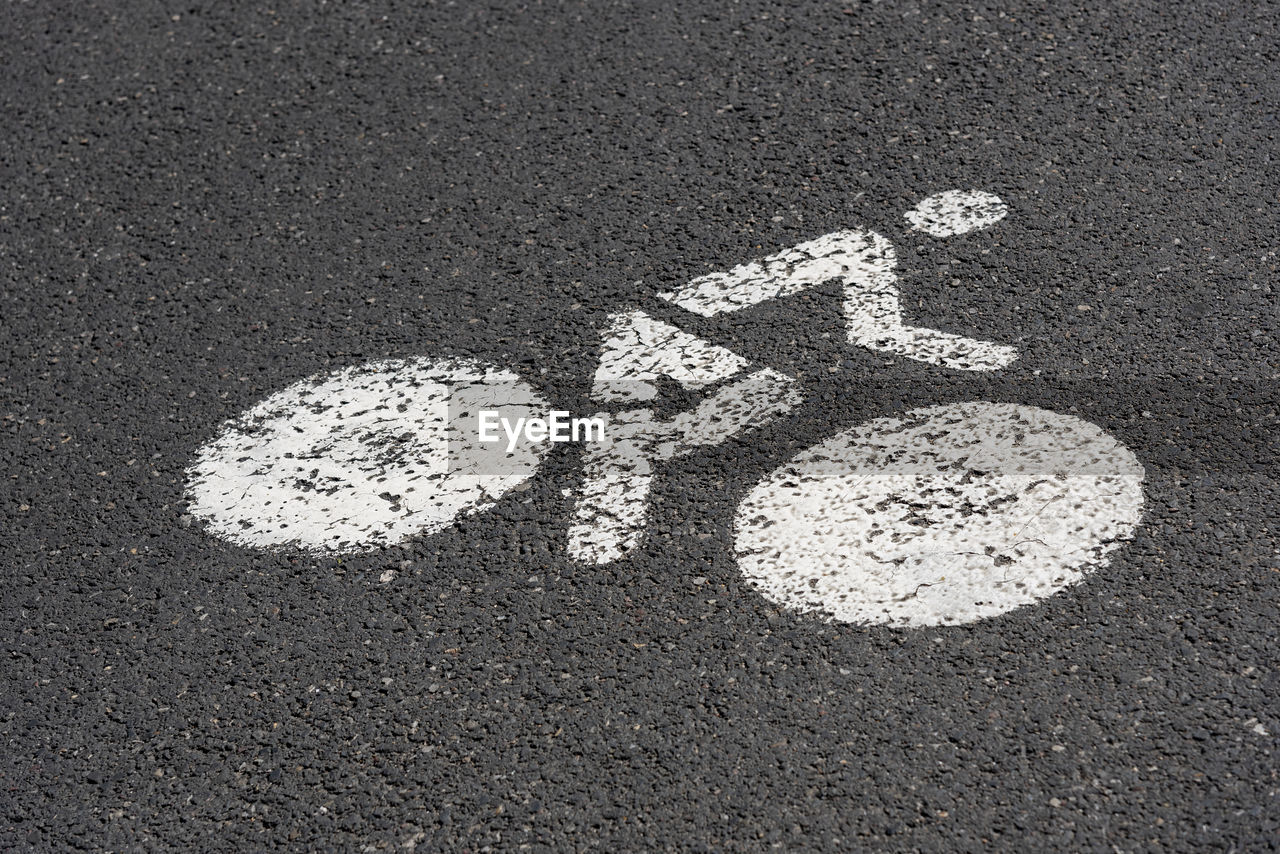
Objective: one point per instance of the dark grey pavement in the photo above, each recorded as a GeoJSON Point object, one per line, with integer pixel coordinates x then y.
{"type": "Point", "coordinates": [201, 204]}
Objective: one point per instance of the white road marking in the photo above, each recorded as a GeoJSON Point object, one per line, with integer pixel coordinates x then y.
{"type": "Point", "coordinates": [943, 516]}
{"type": "Point", "coordinates": [864, 261]}
{"type": "Point", "coordinates": [873, 312]}
{"type": "Point", "coordinates": [364, 457]}
{"type": "Point", "coordinates": [956, 212]}
{"type": "Point", "coordinates": [638, 348]}
{"type": "Point", "coordinates": [613, 504]}
{"type": "Point", "coordinates": [833, 256]}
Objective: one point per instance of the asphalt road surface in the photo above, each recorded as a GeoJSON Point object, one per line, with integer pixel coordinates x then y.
{"type": "Point", "coordinates": [203, 206]}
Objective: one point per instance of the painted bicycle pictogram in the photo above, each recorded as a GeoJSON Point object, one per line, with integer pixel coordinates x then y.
{"type": "Point", "coordinates": [940, 515]}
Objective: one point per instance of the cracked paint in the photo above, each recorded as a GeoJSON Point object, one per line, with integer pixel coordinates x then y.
{"type": "Point", "coordinates": [864, 261]}
{"type": "Point", "coordinates": [612, 506]}
{"type": "Point", "coordinates": [638, 348]}
{"type": "Point", "coordinates": [364, 457]}
{"type": "Point", "coordinates": [955, 212]}
{"type": "Point", "coordinates": [945, 515]}
{"type": "Point", "coordinates": [831, 256]}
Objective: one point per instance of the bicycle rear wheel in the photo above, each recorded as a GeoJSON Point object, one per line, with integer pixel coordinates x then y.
{"type": "Point", "coordinates": [365, 457]}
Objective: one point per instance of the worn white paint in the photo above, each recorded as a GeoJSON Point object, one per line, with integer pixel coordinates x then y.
{"type": "Point", "coordinates": [945, 515]}
{"type": "Point", "coordinates": [612, 506]}
{"type": "Point", "coordinates": [864, 261]}
{"type": "Point", "coordinates": [612, 503]}
{"type": "Point", "coordinates": [942, 516]}
{"type": "Point", "coordinates": [873, 314]}
{"type": "Point", "coordinates": [364, 457]}
{"type": "Point", "coordinates": [956, 212]}
{"type": "Point", "coordinates": [637, 348]}
{"type": "Point", "coordinates": [837, 255]}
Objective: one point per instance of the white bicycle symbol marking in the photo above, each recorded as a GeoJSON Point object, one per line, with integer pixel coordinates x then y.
{"type": "Point", "coordinates": [943, 515]}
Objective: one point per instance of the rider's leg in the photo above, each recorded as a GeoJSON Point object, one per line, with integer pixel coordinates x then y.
{"type": "Point", "coordinates": [612, 506]}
